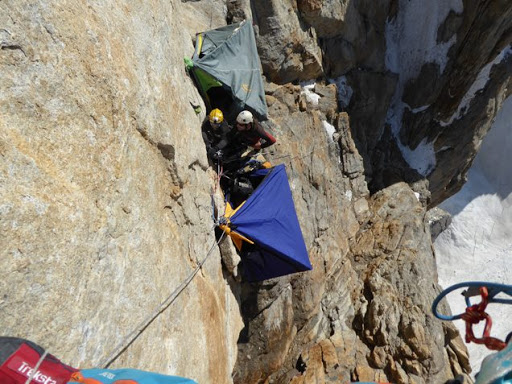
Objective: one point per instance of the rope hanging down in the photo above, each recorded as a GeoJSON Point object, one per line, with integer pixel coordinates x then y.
{"type": "Point", "coordinates": [128, 340]}
{"type": "Point", "coordinates": [315, 148]}
{"type": "Point", "coordinates": [273, 157]}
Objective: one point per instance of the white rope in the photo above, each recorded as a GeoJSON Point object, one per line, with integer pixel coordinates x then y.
{"type": "Point", "coordinates": [128, 340]}
{"type": "Point", "coordinates": [303, 156]}
{"type": "Point", "coordinates": [34, 371]}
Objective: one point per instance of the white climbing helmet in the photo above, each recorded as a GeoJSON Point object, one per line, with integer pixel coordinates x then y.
{"type": "Point", "coordinates": [244, 117]}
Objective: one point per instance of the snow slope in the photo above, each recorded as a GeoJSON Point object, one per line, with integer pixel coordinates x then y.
{"type": "Point", "coordinates": [478, 243]}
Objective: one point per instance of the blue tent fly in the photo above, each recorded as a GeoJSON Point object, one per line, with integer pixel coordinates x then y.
{"type": "Point", "coordinates": [266, 230]}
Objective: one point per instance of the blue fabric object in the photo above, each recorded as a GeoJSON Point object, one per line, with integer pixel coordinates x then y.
{"type": "Point", "coordinates": [496, 368]}
{"type": "Point", "coordinates": [110, 376]}
{"type": "Point", "coordinates": [260, 172]}
{"type": "Point", "coordinates": [268, 218]}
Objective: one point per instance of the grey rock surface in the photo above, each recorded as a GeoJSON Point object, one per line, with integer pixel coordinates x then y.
{"type": "Point", "coordinates": [438, 220]}
{"type": "Point", "coordinates": [289, 51]}
{"type": "Point", "coordinates": [363, 313]}
{"type": "Point", "coordinates": [106, 191]}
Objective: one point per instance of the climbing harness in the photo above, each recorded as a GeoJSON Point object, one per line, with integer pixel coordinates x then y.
{"type": "Point", "coordinates": [475, 313]}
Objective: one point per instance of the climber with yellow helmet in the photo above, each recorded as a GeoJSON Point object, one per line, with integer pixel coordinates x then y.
{"type": "Point", "coordinates": [215, 131]}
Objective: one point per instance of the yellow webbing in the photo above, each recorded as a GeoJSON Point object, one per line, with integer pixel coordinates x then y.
{"type": "Point", "coordinates": [199, 43]}
{"type": "Point", "coordinates": [237, 238]}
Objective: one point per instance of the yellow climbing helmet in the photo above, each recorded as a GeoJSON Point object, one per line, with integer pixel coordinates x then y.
{"type": "Point", "coordinates": [216, 116]}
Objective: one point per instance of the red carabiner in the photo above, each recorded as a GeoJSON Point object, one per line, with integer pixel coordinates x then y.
{"type": "Point", "coordinates": [476, 313]}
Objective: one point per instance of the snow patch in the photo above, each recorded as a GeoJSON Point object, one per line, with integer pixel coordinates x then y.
{"type": "Point", "coordinates": [496, 148]}
{"type": "Point", "coordinates": [422, 158]}
{"type": "Point", "coordinates": [411, 38]}
{"type": "Point", "coordinates": [444, 148]}
{"type": "Point", "coordinates": [308, 90]}
{"type": "Point", "coordinates": [411, 42]}
{"type": "Point", "coordinates": [479, 84]}
{"type": "Point", "coordinates": [329, 129]}
{"type": "Point", "coordinates": [477, 246]}
{"type": "Point", "coordinates": [419, 109]}
{"type": "Point", "coordinates": [348, 195]}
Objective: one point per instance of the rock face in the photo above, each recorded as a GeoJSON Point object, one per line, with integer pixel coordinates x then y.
{"type": "Point", "coordinates": [288, 50]}
{"type": "Point", "coordinates": [453, 110]}
{"type": "Point", "coordinates": [439, 220]}
{"type": "Point", "coordinates": [363, 313]}
{"type": "Point", "coordinates": [105, 192]}
{"type": "Point", "coordinates": [414, 71]}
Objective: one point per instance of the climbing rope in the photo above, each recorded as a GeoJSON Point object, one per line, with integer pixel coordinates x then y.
{"type": "Point", "coordinates": [128, 340]}
{"type": "Point", "coordinates": [220, 171]}
{"type": "Point", "coordinates": [274, 158]}
{"type": "Point", "coordinates": [36, 368]}
{"type": "Point", "coordinates": [315, 148]}
{"type": "Point", "coordinates": [474, 314]}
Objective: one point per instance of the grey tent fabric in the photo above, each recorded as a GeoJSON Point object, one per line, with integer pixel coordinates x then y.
{"type": "Point", "coordinates": [229, 54]}
{"type": "Point", "coordinates": [214, 38]}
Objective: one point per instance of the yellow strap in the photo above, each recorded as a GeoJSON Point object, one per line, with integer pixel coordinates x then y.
{"type": "Point", "coordinates": [237, 238]}
{"type": "Point", "coordinates": [229, 211]}
{"type": "Point", "coordinates": [199, 43]}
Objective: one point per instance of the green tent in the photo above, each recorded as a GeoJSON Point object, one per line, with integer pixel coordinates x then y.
{"type": "Point", "coordinates": [226, 69]}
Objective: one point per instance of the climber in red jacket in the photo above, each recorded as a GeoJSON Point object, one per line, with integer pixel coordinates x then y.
{"type": "Point", "coordinates": [251, 133]}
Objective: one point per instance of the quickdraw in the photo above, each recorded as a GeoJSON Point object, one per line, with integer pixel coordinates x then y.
{"type": "Point", "coordinates": [474, 314]}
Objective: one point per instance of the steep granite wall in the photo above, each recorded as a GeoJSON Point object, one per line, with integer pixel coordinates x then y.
{"type": "Point", "coordinates": [430, 77]}
{"type": "Point", "coordinates": [363, 313]}
{"type": "Point", "coordinates": [105, 192]}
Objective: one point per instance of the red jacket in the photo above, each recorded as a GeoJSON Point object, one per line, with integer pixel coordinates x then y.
{"type": "Point", "coordinates": [256, 134]}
